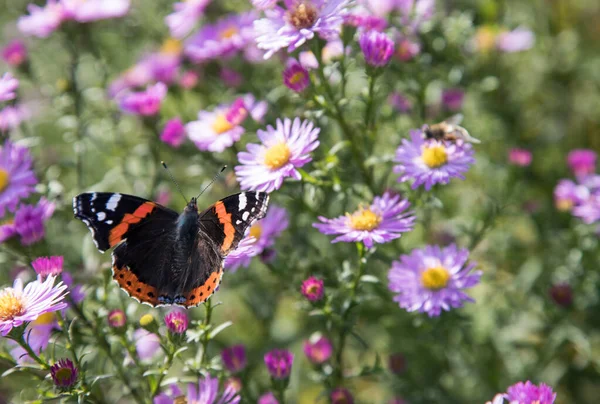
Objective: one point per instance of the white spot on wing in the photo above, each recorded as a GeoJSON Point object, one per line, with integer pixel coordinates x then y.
{"type": "Point", "coordinates": [243, 201]}
{"type": "Point", "coordinates": [113, 202]}
{"type": "Point", "coordinates": [245, 216]}
{"type": "Point", "coordinates": [101, 216]}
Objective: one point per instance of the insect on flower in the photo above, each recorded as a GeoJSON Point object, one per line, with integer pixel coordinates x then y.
{"type": "Point", "coordinates": [449, 130]}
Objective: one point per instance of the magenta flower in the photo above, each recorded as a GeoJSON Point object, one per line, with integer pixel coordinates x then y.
{"type": "Point", "coordinates": [230, 77]}
{"type": "Point", "coordinates": [176, 321]}
{"type": "Point", "coordinates": [318, 349]}
{"type": "Point", "coordinates": [362, 18]}
{"type": "Point", "coordinates": [213, 131]}
{"type": "Point", "coordinates": [562, 294]}
{"type": "Point", "coordinates": [400, 102]}
{"type": "Point", "coordinates": [184, 18]}
{"type": "Point", "coordinates": [11, 117]}
{"type": "Point", "coordinates": [42, 21]}
{"type": "Point", "coordinates": [64, 374]}
{"type": "Point", "coordinates": [295, 77]}
{"type": "Point", "coordinates": [376, 47]}
{"type": "Point", "coordinates": [144, 103]}
{"type": "Point", "coordinates": [117, 318]}
{"type": "Point", "coordinates": [529, 393]}
{"type": "Point", "coordinates": [298, 23]}
{"type": "Point", "coordinates": [283, 150]}
{"type": "Point", "coordinates": [15, 53]}
{"type": "Point", "coordinates": [17, 179]}
{"type": "Point", "coordinates": [267, 398]}
{"type": "Point", "coordinates": [341, 395]}
{"type": "Point", "coordinates": [45, 266]}
{"type": "Point", "coordinates": [20, 305]}
{"type": "Point", "coordinates": [518, 40]}
{"type": "Point", "coordinates": [189, 79]}
{"type": "Point", "coordinates": [582, 161]}
{"type": "Point", "coordinates": [582, 199]}
{"type": "Point", "coordinates": [313, 288]}
{"type": "Point", "coordinates": [173, 133]}
{"type": "Point", "coordinates": [452, 99]}
{"type": "Point", "coordinates": [567, 194]}
{"type": "Point", "coordinates": [384, 220]}
{"type": "Point", "coordinates": [234, 358]}
{"type": "Point", "coordinates": [519, 157]}
{"type": "Point", "coordinates": [430, 162]}
{"type": "Point", "coordinates": [222, 39]}
{"type": "Point", "coordinates": [29, 221]}
{"type": "Point", "coordinates": [147, 344]}
{"type": "Point", "coordinates": [94, 10]}
{"type": "Point", "coordinates": [407, 49]}
{"type": "Point", "coordinates": [279, 363]}
{"type": "Point", "coordinates": [432, 279]}
{"type": "Point", "coordinates": [8, 86]}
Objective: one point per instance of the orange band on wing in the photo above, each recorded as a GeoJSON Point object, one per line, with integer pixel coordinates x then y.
{"type": "Point", "coordinates": [130, 283]}
{"type": "Point", "coordinates": [198, 295]}
{"type": "Point", "coordinates": [117, 232]}
{"type": "Point", "coordinates": [228, 229]}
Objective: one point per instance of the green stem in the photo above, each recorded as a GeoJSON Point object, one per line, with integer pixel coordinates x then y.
{"type": "Point", "coordinates": [369, 110]}
{"type": "Point", "coordinates": [164, 370]}
{"type": "Point", "coordinates": [21, 341]}
{"type": "Point", "coordinates": [206, 336]}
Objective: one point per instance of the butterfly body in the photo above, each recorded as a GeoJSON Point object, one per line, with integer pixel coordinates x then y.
{"type": "Point", "coordinates": [164, 258]}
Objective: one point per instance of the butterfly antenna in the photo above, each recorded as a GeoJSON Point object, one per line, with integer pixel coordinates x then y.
{"type": "Point", "coordinates": [174, 182]}
{"type": "Point", "coordinates": [212, 181]}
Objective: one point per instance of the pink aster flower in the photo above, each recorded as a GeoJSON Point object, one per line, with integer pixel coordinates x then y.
{"type": "Point", "coordinates": [430, 162]}
{"type": "Point", "coordinates": [519, 157]}
{"type": "Point", "coordinates": [93, 10]}
{"type": "Point", "coordinates": [267, 398]}
{"type": "Point", "coordinates": [42, 21]}
{"type": "Point", "coordinates": [376, 47]}
{"type": "Point", "coordinates": [117, 318]}
{"type": "Point", "coordinates": [8, 86]}
{"type": "Point", "coordinates": [176, 321]}
{"type": "Point", "coordinates": [213, 131]}
{"type": "Point", "coordinates": [45, 266]}
{"type": "Point", "coordinates": [64, 373]}
{"type": "Point", "coordinates": [279, 363]}
{"type": "Point", "coordinates": [567, 194]}
{"type": "Point", "coordinates": [189, 79]}
{"type": "Point", "coordinates": [413, 13]}
{"type": "Point", "coordinates": [173, 133]}
{"type": "Point", "coordinates": [184, 18]}
{"type": "Point", "coordinates": [313, 289]}
{"type": "Point", "coordinates": [432, 279]}
{"type": "Point", "coordinates": [582, 161]}
{"type": "Point", "coordinates": [452, 99]}
{"type": "Point", "coordinates": [234, 358]}
{"type": "Point", "coordinates": [12, 116]}
{"type": "Point", "coordinates": [362, 18]}
{"type": "Point", "coordinates": [407, 49]}
{"type": "Point", "coordinates": [295, 77]}
{"type": "Point", "coordinates": [28, 222]}
{"type": "Point", "coordinates": [283, 150]}
{"type": "Point", "coordinates": [231, 78]}
{"type": "Point", "coordinates": [529, 393]}
{"type": "Point", "coordinates": [222, 39]}
{"type": "Point", "coordinates": [17, 179]}
{"type": "Point", "coordinates": [518, 40]}
{"type": "Point", "coordinates": [20, 305]}
{"type": "Point", "coordinates": [144, 103]}
{"type": "Point", "coordinates": [318, 349]}
{"type": "Point", "coordinates": [341, 395]}
{"type": "Point", "coordinates": [147, 344]}
{"type": "Point", "coordinates": [257, 109]}
{"type": "Point", "coordinates": [15, 53]}
{"type": "Point", "coordinates": [298, 23]}
{"type": "Point", "coordinates": [384, 220]}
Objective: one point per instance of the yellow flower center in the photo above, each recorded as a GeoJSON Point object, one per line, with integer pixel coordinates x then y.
{"type": "Point", "coordinates": [277, 156]}
{"type": "Point", "coordinates": [256, 231]}
{"type": "Point", "coordinates": [434, 156]}
{"type": "Point", "coordinates": [435, 278]}
{"type": "Point", "coordinates": [177, 323]}
{"type": "Point", "coordinates": [45, 319]}
{"type": "Point", "coordinates": [564, 205]}
{"type": "Point", "coordinates": [12, 304]}
{"type": "Point", "coordinates": [180, 400]}
{"type": "Point", "coordinates": [228, 33]}
{"type": "Point", "coordinates": [297, 77]}
{"type": "Point", "coordinates": [171, 46]}
{"type": "Point", "coordinates": [63, 375]}
{"type": "Point", "coordinates": [364, 219]}
{"type": "Point", "coordinates": [221, 124]}
{"type": "Point", "coordinates": [146, 320]}
{"type": "Point", "coordinates": [303, 15]}
{"type": "Point", "coordinates": [4, 179]}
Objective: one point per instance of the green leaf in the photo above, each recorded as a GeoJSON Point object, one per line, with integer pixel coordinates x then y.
{"type": "Point", "coordinates": [219, 328]}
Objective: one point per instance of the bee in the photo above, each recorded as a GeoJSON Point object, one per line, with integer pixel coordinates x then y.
{"type": "Point", "coordinates": [449, 130]}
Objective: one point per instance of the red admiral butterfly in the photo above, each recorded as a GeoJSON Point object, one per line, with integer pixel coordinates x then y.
{"type": "Point", "coordinates": [162, 257]}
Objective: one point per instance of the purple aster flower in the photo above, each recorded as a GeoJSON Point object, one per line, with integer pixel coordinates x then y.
{"type": "Point", "coordinates": [230, 77]}
{"type": "Point", "coordinates": [8, 86]}
{"type": "Point", "coordinates": [94, 10]}
{"type": "Point", "coordinates": [562, 294]}
{"type": "Point", "coordinates": [283, 150]}
{"type": "Point", "coordinates": [117, 318]}
{"type": "Point", "coordinates": [407, 49]}
{"type": "Point", "coordinates": [176, 321]}
{"type": "Point", "coordinates": [234, 358]}
{"type": "Point", "coordinates": [498, 399]}
{"type": "Point", "coordinates": [20, 305]}
{"type": "Point", "coordinates": [147, 344]}
{"type": "Point", "coordinates": [295, 77]}
{"type": "Point", "coordinates": [264, 4]}
{"type": "Point", "coordinates": [213, 131]}
{"type": "Point", "coordinates": [400, 102]}
{"type": "Point", "coordinates": [341, 395]}
{"type": "Point", "coordinates": [222, 39]}
{"type": "Point", "coordinates": [318, 349]}
{"type": "Point", "coordinates": [582, 162]}
{"type": "Point", "coordinates": [362, 18]}
{"type": "Point", "coordinates": [189, 79]}
{"type": "Point", "coordinates": [519, 157]}
{"type": "Point", "coordinates": [529, 393]}
{"type": "Point", "coordinates": [75, 291]}
{"type": "Point", "coordinates": [518, 40]}
{"type": "Point", "coordinates": [384, 220]}
{"type": "Point", "coordinates": [42, 21]}
{"type": "Point", "coordinates": [45, 266]}
{"type": "Point", "coordinates": [279, 363]}
{"type": "Point", "coordinates": [267, 398]}
{"type": "Point", "coordinates": [452, 99]}
{"type": "Point", "coordinates": [256, 109]}
{"type": "Point", "coordinates": [397, 363]}
{"type": "Point", "coordinates": [413, 13]}
{"type": "Point", "coordinates": [567, 194]}
{"type": "Point", "coordinates": [313, 288]}
{"type": "Point", "coordinates": [11, 116]}
{"type": "Point", "coordinates": [37, 335]}
{"type": "Point", "coordinates": [184, 18]}
{"type": "Point", "coordinates": [64, 373]}
{"type": "Point", "coordinates": [299, 22]}
{"type": "Point", "coordinates": [308, 60]}
{"type": "Point", "coordinates": [242, 255]}
{"type": "Point", "coordinates": [432, 279]}
{"type": "Point", "coordinates": [376, 47]}
{"type": "Point", "coordinates": [207, 390]}
{"type": "Point", "coordinates": [589, 210]}
{"type": "Point", "coordinates": [265, 231]}
{"type": "Point", "coordinates": [29, 221]}
{"type": "Point", "coordinates": [15, 53]}
{"type": "Point", "coordinates": [173, 133]}
{"type": "Point", "coordinates": [144, 103]}
{"type": "Point", "coordinates": [17, 179]}
{"type": "Point", "coordinates": [161, 66]}
{"type": "Point", "coordinates": [430, 162]}
{"type": "Point", "coordinates": [168, 395]}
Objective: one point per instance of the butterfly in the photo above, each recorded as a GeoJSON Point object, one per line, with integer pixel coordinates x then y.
{"type": "Point", "coordinates": [161, 257]}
